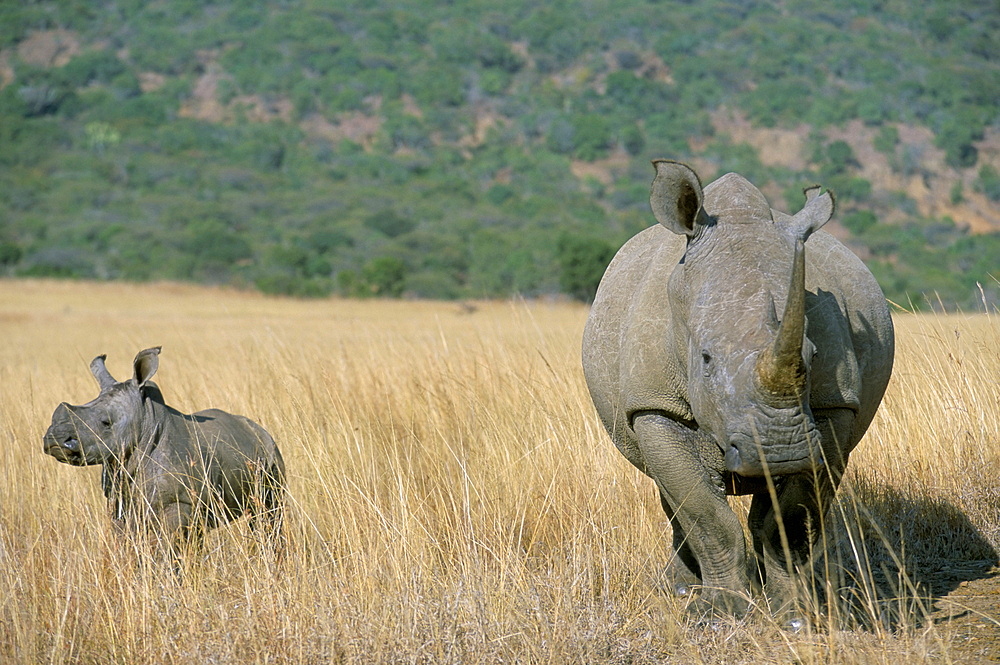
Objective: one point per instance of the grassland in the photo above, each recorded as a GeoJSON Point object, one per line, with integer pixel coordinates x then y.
{"type": "Point", "coordinates": [453, 498]}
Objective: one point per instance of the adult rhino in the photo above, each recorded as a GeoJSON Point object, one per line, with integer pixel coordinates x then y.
{"type": "Point", "coordinates": [165, 471]}
{"type": "Point", "coordinates": [704, 388]}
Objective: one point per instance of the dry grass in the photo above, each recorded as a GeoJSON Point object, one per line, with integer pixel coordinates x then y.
{"type": "Point", "coordinates": [453, 498]}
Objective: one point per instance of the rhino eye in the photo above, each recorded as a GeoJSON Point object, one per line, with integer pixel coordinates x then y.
{"type": "Point", "coordinates": [706, 360]}
{"type": "Point", "coordinates": [105, 422]}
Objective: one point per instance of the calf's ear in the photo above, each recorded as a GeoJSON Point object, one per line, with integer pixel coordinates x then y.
{"type": "Point", "coordinates": [676, 197]}
{"type": "Point", "coordinates": [146, 362]}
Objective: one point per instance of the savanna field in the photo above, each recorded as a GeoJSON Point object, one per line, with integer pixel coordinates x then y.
{"type": "Point", "coordinates": [454, 499]}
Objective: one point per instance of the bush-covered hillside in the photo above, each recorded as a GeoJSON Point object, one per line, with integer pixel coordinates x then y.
{"type": "Point", "coordinates": [483, 149]}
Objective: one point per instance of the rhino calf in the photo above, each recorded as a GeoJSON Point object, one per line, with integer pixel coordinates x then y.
{"type": "Point", "coordinates": [703, 387]}
{"type": "Point", "coordinates": [167, 472]}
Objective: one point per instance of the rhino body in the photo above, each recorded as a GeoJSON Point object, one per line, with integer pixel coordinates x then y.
{"type": "Point", "coordinates": [703, 387]}
{"type": "Point", "coordinates": [164, 471]}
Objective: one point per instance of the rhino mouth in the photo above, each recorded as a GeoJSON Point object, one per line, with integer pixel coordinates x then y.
{"type": "Point", "coordinates": [755, 466]}
{"type": "Point", "coordinates": [68, 451]}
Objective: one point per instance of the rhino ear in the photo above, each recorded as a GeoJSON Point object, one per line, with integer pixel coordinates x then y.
{"type": "Point", "coordinates": [145, 364]}
{"type": "Point", "coordinates": [101, 373]}
{"type": "Point", "coordinates": [817, 212]}
{"type": "Point", "coordinates": [676, 197]}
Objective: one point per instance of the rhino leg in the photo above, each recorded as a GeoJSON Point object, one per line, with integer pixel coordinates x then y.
{"type": "Point", "coordinates": [178, 531]}
{"type": "Point", "coordinates": [714, 537]}
{"type": "Point", "coordinates": [782, 537]}
{"type": "Point", "coordinates": [267, 511]}
{"type": "Point", "coordinates": [683, 571]}
{"type": "Point", "coordinates": [786, 540]}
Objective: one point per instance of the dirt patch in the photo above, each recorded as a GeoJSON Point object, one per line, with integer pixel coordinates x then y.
{"type": "Point", "coordinates": [45, 48]}
{"type": "Point", "coordinates": [203, 103]}
{"type": "Point", "coordinates": [151, 81]}
{"type": "Point", "coordinates": [485, 120]}
{"type": "Point", "coordinates": [970, 616]}
{"type": "Point", "coordinates": [651, 66]}
{"type": "Point", "coordinates": [774, 146]}
{"type": "Point", "coordinates": [49, 48]}
{"type": "Point", "coordinates": [6, 70]}
{"type": "Point", "coordinates": [602, 170]}
{"type": "Point", "coordinates": [356, 127]}
{"type": "Point", "coordinates": [927, 179]}
{"type": "Point", "coordinates": [410, 106]}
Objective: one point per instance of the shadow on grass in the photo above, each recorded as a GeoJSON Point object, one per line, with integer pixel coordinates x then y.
{"type": "Point", "coordinates": [892, 557]}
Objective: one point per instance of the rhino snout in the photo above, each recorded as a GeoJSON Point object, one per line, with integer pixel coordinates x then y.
{"type": "Point", "coordinates": [65, 448]}
{"type": "Point", "coordinates": [736, 463]}
{"type": "Point", "coordinates": [777, 455]}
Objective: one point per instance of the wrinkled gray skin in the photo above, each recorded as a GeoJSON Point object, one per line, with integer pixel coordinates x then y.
{"type": "Point", "coordinates": [704, 388]}
{"type": "Point", "coordinates": [166, 472]}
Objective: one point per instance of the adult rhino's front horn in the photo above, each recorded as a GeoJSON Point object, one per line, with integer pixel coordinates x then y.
{"type": "Point", "coordinates": [781, 370]}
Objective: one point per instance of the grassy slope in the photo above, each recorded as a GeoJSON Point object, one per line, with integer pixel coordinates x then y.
{"type": "Point", "coordinates": [453, 497]}
{"type": "Point", "coordinates": [206, 141]}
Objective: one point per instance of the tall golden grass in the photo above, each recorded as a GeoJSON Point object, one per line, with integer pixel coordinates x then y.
{"type": "Point", "coordinates": [452, 496]}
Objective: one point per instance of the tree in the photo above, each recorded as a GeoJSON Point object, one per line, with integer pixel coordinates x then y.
{"type": "Point", "coordinates": [840, 157]}
{"type": "Point", "coordinates": [390, 223]}
{"type": "Point", "coordinates": [582, 261]}
{"type": "Point", "coordinates": [956, 137]}
{"type": "Point", "coordinates": [988, 182]}
{"type": "Point", "coordinates": [384, 276]}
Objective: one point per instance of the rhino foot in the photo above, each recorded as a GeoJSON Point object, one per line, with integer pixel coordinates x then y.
{"type": "Point", "coordinates": [788, 610]}
{"type": "Point", "coordinates": [677, 579]}
{"type": "Point", "coordinates": [712, 605]}
{"type": "Point", "coordinates": [792, 619]}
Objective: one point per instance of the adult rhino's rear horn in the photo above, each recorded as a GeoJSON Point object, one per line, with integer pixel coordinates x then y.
{"type": "Point", "coordinates": [781, 370]}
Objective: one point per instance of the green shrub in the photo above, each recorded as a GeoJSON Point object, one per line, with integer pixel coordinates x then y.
{"type": "Point", "coordinates": [859, 221]}
{"type": "Point", "coordinates": [886, 140]}
{"type": "Point", "coordinates": [582, 262]}
{"type": "Point", "coordinates": [390, 223]}
{"type": "Point", "coordinates": [383, 276]}
{"type": "Point", "coordinates": [988, 182]}
{"type": "Point", "coordinates": [93, 66]}
{"type": "Point", "coordinates": [956, 137]}
{"type": "Point", "coordinates": [593, 136]}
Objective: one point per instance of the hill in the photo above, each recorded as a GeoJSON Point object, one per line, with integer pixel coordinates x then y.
{"type": "Point", "coordinates": [434, 150]}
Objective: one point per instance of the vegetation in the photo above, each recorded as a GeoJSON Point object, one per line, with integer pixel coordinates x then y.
{"type": "Point", "coordinates": [454, 498]}
{"type": "Point", "coordinates": [429, 150]}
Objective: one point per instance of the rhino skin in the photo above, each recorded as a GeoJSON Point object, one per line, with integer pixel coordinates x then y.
{"type": "Point", "coordinates": [168, 473]}
{"type": "Point", "coordinates": [706, 390]}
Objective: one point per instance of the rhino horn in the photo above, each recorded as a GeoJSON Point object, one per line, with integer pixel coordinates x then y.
{"type": "Point", "coordinates": [101, 373]}
{"type": "Point", "coordinates": [780, 368]}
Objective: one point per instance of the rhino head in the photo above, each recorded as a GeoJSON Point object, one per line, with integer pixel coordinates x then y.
{"type": "Point", "coordinates": [747, 368]}
{"type": "Point", "coordinates": [107, 428]}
